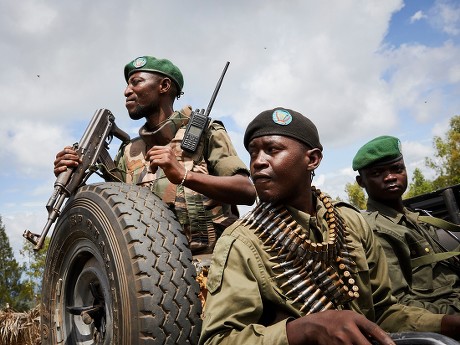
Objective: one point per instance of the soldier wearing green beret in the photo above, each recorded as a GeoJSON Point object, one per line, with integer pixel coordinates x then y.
{"type": "Point", "coordinates": [422, 273]}
{"type": "Point", "coordinates": [300, 268]}
{"type": "Point", "coordinates": [203, 188]}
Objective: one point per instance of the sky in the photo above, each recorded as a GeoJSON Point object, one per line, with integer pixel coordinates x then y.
{"type": "Point", "coordinates": [357, 68]}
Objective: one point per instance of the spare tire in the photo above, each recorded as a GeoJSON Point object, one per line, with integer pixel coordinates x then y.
{"type": "Point", "coordinates": [119, 271]}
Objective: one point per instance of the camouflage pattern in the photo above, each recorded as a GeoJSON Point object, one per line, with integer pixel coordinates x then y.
{"type": "Point", "coordinates": [202, 219]}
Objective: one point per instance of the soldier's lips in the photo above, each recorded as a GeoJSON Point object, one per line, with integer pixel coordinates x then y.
{"type": "Point", "coordinates": [261, 180]}
{"type": "Point", "coordinates": [393, 188]}
{"type": "Point", "coordinates": [258, 177]}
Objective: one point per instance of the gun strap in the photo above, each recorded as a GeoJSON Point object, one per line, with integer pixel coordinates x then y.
{"type": "Point", "coordinates": [433, 258]}
{"type": "Point", "coordinates": [436, 257]}
{"type": "Point", "coordinates": [440, 223]}
{"type": "Point", "coordinates": [107, 167]}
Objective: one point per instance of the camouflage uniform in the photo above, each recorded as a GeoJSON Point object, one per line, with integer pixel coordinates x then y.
{"type": "Point", "coordinates": [202, 219]}
{"type": "Point", "coordinates": [434, 286]}
{"type": "Point", "coordinates": [246, 304]}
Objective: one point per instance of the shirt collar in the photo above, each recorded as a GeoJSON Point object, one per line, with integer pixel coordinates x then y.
{"type": "Point", "coordinates": [312, 224]}
{"type": "Point", "coordinates": [391, 213]}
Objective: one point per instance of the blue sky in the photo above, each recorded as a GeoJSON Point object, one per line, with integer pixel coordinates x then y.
{"type": "Point", "coordinates": [419, 22]}
{"type": "Point", "coordinates": [357, 69]}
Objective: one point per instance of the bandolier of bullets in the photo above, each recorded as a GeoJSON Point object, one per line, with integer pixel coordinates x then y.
{"type": "Point", "coordinates": [318, 273]}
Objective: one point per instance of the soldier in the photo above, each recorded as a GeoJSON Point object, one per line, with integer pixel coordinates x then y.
{"type": "Point", "coordinates": [203, 188]}
{"type": "Point", "coordinates": [299, 268]}
{"type": "Point", "coordinates": [422, 272]}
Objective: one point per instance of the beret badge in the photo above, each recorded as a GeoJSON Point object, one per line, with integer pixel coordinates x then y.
{"type": "Point", "coordinates": [281, 117]}
{"type": "Point", "coordinates": [139, 62]}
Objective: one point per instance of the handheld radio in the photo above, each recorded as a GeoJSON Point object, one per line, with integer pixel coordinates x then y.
{"type": "Point", "coordinates": [199, 120]}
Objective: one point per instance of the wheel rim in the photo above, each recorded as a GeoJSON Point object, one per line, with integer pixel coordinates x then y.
{"type": "Point", "coordinates": [86, 295]}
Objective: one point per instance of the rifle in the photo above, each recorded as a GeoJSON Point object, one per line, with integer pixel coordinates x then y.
{"type": "Point", "coordinates": [93, 151]}
{"type": "Point", "coordinates": [199, 120]}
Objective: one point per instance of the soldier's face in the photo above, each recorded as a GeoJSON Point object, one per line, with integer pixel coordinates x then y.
{"type": "Point", "coordinates": [280, 169]}
{"type": "Point", "coordinates": [385, 182]}
{"type": "Point", "coordinates": [142, 95]}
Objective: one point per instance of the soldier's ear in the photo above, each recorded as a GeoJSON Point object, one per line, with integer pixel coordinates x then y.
{"type": "Point", "coordinates": [165, 85]}
{"type": "Point", "coordinates": [360, 181]}
{"type": "Point", "coordinates": [315, 156]}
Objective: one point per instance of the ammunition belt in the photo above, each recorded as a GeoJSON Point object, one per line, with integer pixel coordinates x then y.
{"type": "Point", "coordinates": [319, 273]}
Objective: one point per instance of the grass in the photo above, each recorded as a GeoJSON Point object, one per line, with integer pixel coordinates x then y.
{"type": "Point", "coordinates": [20, 328]}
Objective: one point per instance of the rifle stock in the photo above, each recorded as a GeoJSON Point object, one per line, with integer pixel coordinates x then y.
{"type": "Point", "coordinates": [92, 147]}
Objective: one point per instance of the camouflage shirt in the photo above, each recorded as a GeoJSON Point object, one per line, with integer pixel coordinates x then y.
{"type": "Point", "coordinates": [202, 218]}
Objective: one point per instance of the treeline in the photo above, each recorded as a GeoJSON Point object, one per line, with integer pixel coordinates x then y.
{"type": "Point", "coordinates": [20, 284]}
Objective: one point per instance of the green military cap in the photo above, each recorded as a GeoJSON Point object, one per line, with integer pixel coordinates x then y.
{"type": "Point", "coordinates": [381, 150]}
{"type": "Point", "coordinates": [152, 64]}
{"type": "Point", "coordinates": [285, 122]}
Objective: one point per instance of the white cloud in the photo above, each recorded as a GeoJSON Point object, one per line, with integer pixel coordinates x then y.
{"type": "Point", "coordinates": [445, 16]}
{"type": "Point", "coordinates": [415, 151]}
{"type": "Point", "coordinates": [417, 16]}
{"type": "Point", "coordinates": [29, 17]}
{"type": "Point", "coordinates": [440, 129]}
{"type": "Point", "coordinates": [414, 157]}
{"type": "Point", "coordinates": [16, 223]}
{"type": "Point", "coordinates": [334, 182]}
{"type": "Point", "coordinates": [31, 147]}
{"type": "Point", "coordinates": [423, 86]}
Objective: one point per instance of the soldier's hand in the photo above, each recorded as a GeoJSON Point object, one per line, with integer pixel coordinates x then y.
{"type": "Point", "coordinates": [164, 157]}
{"type": "Point", "coordinates": [67, 158]}
{"type": "Point", "coordinates": [334, 327]}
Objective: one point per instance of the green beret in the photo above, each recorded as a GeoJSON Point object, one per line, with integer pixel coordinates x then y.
{"type": "Point", "coordinates": [381, 150]}
{"type": "Point", "coordinates": [152, 64]}
{"type": "Point", "coordinates": [285, 122]}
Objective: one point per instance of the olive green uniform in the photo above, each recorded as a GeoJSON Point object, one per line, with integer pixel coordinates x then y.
{"type": "Point", "coordinates": [434, 286]}
{"type": "Point", "coordinates": [202, 219]}
{"type": "Point", "coordinates": [246, 304]}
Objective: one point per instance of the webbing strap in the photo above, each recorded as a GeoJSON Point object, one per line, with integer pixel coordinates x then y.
{"type": "Point", "coordinates": [440, 223]}
{"type": "Point", "coordinates": [432, 258]}
{"type": "Point", "coordinates": [436, 257]}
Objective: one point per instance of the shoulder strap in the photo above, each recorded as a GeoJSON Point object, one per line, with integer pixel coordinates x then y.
{"type": "Point", "coordinates": [430, 259]}
{"type": "Point", "coordinates": [203, 154]}
{"type": "Point", "coordinates": [436, 257]}
{"type": "Point", "coordinates": [440, 223]}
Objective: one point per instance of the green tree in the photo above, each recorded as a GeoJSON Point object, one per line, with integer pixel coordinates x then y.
{"type": "Point", "coordinates": [356, 195]}
{"type": "Point", "coordinates": [419, 185]}
{"type": "Point", "coordinates": [34, 268]}
{"type": "Point", "coordinates": [11, 287]}
{"type": "Point", "coordinates": [446, 160]}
